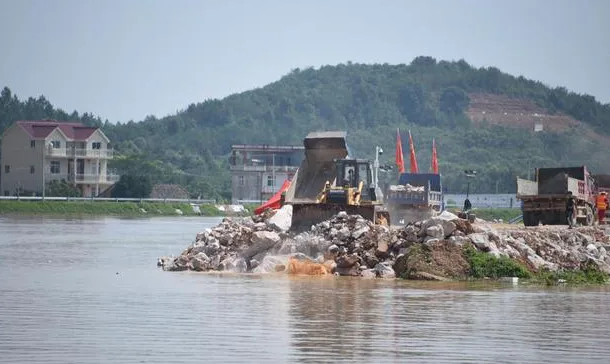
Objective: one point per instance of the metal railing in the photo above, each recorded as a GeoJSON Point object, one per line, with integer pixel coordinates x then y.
{"type": "Point", "coordinates": [84, 178]}
{"type": "Point", "coordinates": [79, 152]}
{"type": "Point", "coordinates": [94, 178]}
{"type": "Point", "coordinates": [258, 168]}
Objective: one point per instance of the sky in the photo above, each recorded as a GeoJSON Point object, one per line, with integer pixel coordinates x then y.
{"type": "Point", "coordinates": [126, 59]}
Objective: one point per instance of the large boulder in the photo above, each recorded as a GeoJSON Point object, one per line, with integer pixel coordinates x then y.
{"type": "Point", "coordinates": [282, 219]}
{"type": "Point", "coordinates": [384, 270]}
{"type": "Point", "coordinates": [262, 241]}
{"type": "Point", "coordinates": [481, 241]}
{"type": "Point", "coordinates": [201, 262]}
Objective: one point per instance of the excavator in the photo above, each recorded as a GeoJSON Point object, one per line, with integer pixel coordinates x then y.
{"type": "Point", "coordinates": [328, 181]}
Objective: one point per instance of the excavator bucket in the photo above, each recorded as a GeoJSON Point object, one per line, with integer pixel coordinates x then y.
{"type": "Point", "coordinates": [304, 215]}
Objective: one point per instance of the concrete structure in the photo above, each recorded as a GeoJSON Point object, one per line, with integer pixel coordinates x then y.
{"type": "Point", "coordinates": [37, 152]}
{"type": "Point", "coordinates": [258, 171]}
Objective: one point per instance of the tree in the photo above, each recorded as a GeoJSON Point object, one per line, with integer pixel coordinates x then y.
{"type": "Point", "coordinates": [453, 100]}
{"type": "Point", "coordinates": [130, 186]}
{"type": "Point", "coordinates": [61, 188]}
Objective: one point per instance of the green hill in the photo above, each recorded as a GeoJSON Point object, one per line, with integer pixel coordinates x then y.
{"type": "Point", "coordinates": [481, 118]}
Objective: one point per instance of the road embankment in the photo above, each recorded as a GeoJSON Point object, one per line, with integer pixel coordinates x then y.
{"type": "Point", "coordinates": [441, 248]}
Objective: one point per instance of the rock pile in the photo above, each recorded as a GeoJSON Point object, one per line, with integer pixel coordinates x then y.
{"type": "Point", "coordinates": [430, 249]}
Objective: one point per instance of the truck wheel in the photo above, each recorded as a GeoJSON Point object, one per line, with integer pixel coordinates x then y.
{"type": "Point", "coordinates": [530, 218]}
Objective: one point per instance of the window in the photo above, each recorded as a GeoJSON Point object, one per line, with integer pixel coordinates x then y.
{"type": "Point", "coordinates": [55, 167]}
{"type": "Point", "coordinates": [32, 144]}
{"type": "Point", "coordinates": [96, 145]}
{"type": "Point", "coordinates": [241, 181]}
{"type": "Point", "coordinates": [31, 169]}
{"type": "Point", "coordinates": [56, 144]}
{"type": "Point", "coordinates": [7, 168]}
{"type": "Point", "coordinates": [270, 181]}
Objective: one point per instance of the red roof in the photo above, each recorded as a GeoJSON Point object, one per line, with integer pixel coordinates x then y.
{"type": "Point", "coordinates": [40, 129]}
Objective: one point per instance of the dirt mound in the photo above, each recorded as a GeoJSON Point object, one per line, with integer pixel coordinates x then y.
{"type": "Point", "coordinates": [504, 110]}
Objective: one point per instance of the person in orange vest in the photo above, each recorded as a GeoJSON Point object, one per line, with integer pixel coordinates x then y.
{"type": "Point", "coordinates": [602, 206]}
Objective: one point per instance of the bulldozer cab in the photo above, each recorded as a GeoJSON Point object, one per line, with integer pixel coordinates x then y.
{"type": "Point", "coordinates": [352, 172]}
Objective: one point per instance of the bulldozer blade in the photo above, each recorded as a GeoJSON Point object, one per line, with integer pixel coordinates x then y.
{"type": "Point", "coordinates": [306, 215]}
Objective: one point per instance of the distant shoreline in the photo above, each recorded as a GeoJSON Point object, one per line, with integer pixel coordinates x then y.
{"type": "Point", "coordinates": [107, 208]}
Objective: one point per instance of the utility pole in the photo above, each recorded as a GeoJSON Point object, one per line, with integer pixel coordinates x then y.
{"type": "Point", "coordinates": [378, 152]}
{"type": "Point", "coordinates": [469, 175]}
{"type": "Point", "coordinates": [42, 148]}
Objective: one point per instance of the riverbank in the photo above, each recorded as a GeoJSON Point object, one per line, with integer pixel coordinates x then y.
{"type": "Point", "coordinates": [110, 208]}
{"type": "Point", "coordinates": [441, 248]}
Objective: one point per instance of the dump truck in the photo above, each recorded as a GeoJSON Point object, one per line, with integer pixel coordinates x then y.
{"type": "Point", "coordinates": [328, 181]}
{"type": "Point", "coordinates": [544, 200]}
{"type": "Point", "coordinates": [416, 197]}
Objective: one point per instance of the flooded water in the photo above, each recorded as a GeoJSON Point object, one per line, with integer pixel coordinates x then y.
{"type": "Point", "coordinates": [88, 291]}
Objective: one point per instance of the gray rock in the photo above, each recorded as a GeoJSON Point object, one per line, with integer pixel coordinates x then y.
{"type": "Point", "coordinates": [200, 262]}
{"type": "Point", "coordinates": [435, 231]}
{"type": "Point", "coordinates": [429, 240]}
{"type": "Point", "coordinates": [480, 240]}
{"type": "Point", "coordinates": [592, 249]}
{"type": "Point", "coordinates": [343, 234]}
{"type": "Point", "coordinates": [348, 261]}
{"type": "Point", "coordinates": [382, 249]}
{"type": "Point", "coordinates": [262, 241]}
{"type": "Point", "coordinates": [269, 264]}
{"type": "Point", "coordinates": [342, 215]}
{"type": "Point", "coordinates": [368, 273]}
{"type": "Point", "coordinates": [282, 219]}
{"type": "Point", "coordinates": [459, 240]}
{"type": "Point", "coordinates": [384, 271]}
{"type": "Point", "coordinates": [356, 234]}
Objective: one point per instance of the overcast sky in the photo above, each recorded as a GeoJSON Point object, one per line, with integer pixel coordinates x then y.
{"type": "Point", "coordinates": [125, 59]}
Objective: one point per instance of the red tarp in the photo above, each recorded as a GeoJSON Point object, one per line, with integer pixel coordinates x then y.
{"type": "Point", "coordinates": [274, 201]}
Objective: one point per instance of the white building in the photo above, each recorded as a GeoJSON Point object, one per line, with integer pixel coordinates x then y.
{"type": "Point", "coordinates": [37, 152]}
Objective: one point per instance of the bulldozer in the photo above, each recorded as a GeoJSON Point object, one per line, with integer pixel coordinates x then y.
{"type": "Point", "coordinates": [328, 181]}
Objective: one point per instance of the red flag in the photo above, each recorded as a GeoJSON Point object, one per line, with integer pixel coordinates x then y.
{"type": "Point", "coordinates": [434, 158]}
{"type": "Point", "coordinates": [400, 163]}
{"type": "Point", "coordinates": [413, 160]}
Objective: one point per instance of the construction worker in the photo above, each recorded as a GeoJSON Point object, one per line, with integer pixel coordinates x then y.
{"type": "Point", "coordinates": [602, 206]}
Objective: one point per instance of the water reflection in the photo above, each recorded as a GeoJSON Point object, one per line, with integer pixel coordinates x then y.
{"type": "Point", "coordinates": [62, 302]}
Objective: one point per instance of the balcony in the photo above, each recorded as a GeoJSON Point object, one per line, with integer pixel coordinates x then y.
{"type": "Point", "coordinates": [104, 179]}
{"type": "Point", "coordinates": [80, 153]}
{"type": "Point", "coordinates": [95, 178]}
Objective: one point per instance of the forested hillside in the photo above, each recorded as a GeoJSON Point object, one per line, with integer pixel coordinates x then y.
{"type": "Point", "coordinates": [432, 99]}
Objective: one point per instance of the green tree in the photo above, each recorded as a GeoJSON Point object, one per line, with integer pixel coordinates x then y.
{"type": "Point", "coordinates": [453, 100]}
{"type": "Point", "coordinates": [130, 186]}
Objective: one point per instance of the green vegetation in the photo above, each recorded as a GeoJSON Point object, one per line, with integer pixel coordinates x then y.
{"type": "Point", "coordinates": [588, 275]}
{"type": "Point", "coordinates": [486, 265]}
{"type": "Point", "coordinates": [429, 97]}
{"type": "Point", "coordinates": [101, 208]}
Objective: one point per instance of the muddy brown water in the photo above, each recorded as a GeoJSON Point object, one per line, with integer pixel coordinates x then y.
{"type": "Point", "coordinates": [62, 301]}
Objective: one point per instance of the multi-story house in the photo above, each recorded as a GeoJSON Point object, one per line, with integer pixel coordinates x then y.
{"type": "Point", "coordinates": [258, 171]}
{"type": "Point", "coordinates": [35, 153]}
